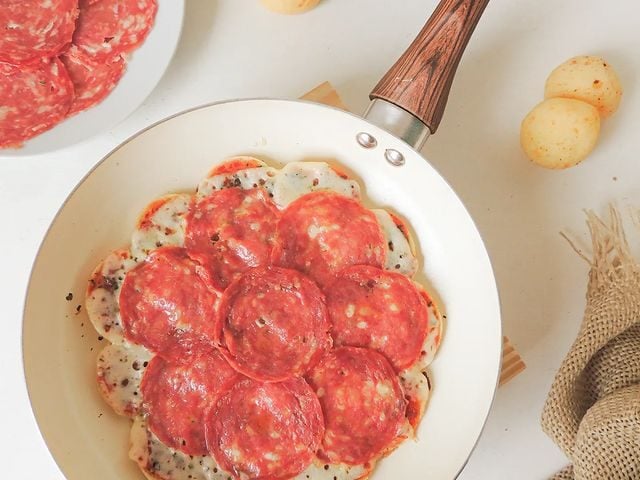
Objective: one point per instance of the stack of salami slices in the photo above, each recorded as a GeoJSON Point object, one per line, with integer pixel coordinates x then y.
{"type": "Point", "coordinates": [265, 327]}
{"type": "Point", "coordinates": [59, 57]}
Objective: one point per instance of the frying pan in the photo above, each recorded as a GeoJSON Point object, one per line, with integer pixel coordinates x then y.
{"type": "Point", "coordinates": [86, 439]}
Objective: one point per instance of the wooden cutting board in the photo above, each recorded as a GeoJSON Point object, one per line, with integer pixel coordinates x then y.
{"type": "Point", "coordinates": [512, 363]}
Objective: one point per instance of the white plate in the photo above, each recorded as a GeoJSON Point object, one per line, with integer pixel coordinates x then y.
{"type": "Point", "coordinates": [145, 68]}
{"type": "Point", "coordinates": [59, 345]}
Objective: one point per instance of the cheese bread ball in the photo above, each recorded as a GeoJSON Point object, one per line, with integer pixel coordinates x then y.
{"type": "Point", "coordinates": [586, 78]}
{"type": "Point", "coordinates": [560, 132]}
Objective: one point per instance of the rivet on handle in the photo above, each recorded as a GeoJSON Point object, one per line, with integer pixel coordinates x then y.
{"type": "Point", "coordinates": [394, 157]}
{"type": "Point", "coordinates": [366, 140]}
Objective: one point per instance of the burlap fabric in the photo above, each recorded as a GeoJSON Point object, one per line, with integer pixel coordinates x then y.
{"type": "Point", "coordinates": [593, 408]}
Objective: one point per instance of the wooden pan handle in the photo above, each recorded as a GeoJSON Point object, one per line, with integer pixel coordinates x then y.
{"type": "Point", "coordinates": [419, 82]}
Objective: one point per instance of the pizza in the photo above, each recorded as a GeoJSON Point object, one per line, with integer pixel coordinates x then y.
{"type": "Point", "coordinates": [60, 57]}
{"type": "Point", "coordinates": [265, 326]}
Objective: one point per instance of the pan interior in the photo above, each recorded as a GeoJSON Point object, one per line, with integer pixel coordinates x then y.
{"type": "Point", "coordinates": [59, 345]}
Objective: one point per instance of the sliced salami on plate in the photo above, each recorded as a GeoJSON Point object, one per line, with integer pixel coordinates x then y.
{"type": "Point", "coordinates": [33, 99]}
{"type": "Point", "coordinates": [34, 30]}
{"type": "Point", "coordinates": [92, 81]}
{"type": "Point", "coordinates": [110, 27]}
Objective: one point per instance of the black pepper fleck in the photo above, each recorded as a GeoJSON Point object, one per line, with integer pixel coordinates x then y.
{"type": "Point", "coordinates": [69, 297]}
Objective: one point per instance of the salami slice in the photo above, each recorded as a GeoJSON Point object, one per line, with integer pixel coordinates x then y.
{"type": "Point", "coordinates": [31, 30]}
{"type": "Point", "coordinates": [265, 430]}
{"type": "Point", "coordinates": [230, 231]}
{"type": "Point", "coordinates": [111, 27]}
{"type": "Point", "coordinates": [363, 404]}
{"type": "Point", "coordinates": [323, 232]}
{"type": "Point", "coordinates": [167, 299]}
{"type": "Point", "coordinates": [373, 308]}
{"type": "Point", "coordinates": [177, 392]}
{"type": "Point", "coordinates": [273, 324]}
{"type": "Point", "coordinates": [92, 81]}
{"type": "Point", "coordinates": [33, 99]}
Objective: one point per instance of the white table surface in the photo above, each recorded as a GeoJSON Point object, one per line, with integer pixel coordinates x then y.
{"type": "Point", "coordinates": [233, 48]}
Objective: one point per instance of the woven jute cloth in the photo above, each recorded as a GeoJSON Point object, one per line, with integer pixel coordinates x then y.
{"type": "Point", "coordinates": [593, 409]}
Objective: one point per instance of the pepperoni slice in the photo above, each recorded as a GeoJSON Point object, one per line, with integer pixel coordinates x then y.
{"type": "Point", "coordinates": [165, 299]}
{"type": "Point", "coordinates": [33, 99]}
{"type": "Point", "coordinates": [31, 31]}
{"type": "Point", "coordinates": [177, 392]}
{"type": "Point", "coordinates": [323, 232]}
{"type": "Point", "coordinates": [265, 430]}
{"type": "Point", "coordinates": [363, 404]}
{"type": "Point", "coordinates": [378, 309]}
{"type": "Point", "coordinates": [273, 324]}
{"type": "Point", "coordinates": [111, 27]}
{"type": "Point", "coordinates": [92, 81]}
{"type": "Point", "coordinates": [230, 231]}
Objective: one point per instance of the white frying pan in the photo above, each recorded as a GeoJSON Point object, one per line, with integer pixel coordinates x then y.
{"type": "Point", "coordinates": [89, 441]}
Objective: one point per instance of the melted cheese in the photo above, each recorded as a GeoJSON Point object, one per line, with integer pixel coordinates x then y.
{"type": "Point", "coordinates": [399, 254]}
{"type": "Point", "coordinates": [299, 178]}
{"type": "Point", "coordinates": [434, 337]}
{"type": "Point", "coordinates": [159, 462]}
{"type": "Point", "coordinates": [416, 385]}
{"type": "Point", "coordinates": [103, 293]}
{"type": "Point", "coordinates": [164, 226]}
{"type": "Point", "coordinates": [414, 380]}
{"type": "Point", "coordinates": [120, 369]}
{"type": "Point", "coordinates": [246, 179]}
{"type": "Point", "coordinates": [319, 470]}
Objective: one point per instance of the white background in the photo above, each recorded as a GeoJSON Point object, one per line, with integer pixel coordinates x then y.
{"type": "Point", "coordinates": [235, 48]}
